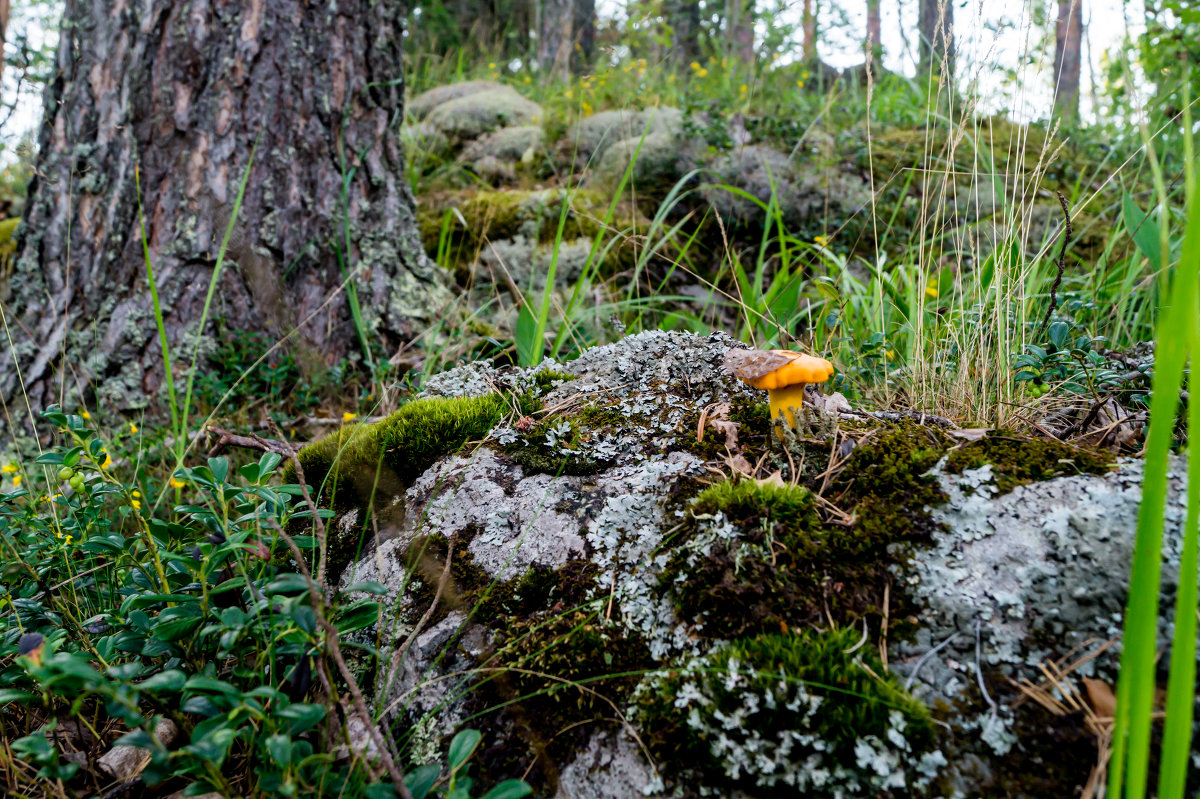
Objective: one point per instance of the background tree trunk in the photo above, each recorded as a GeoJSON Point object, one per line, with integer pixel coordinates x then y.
{"type": "Point", "coordinates": [809, 23]}
{"type": "Point", "coordinates": [684, 18]}
{"type": "Point", "coordinates": [936, 26]}
{"type": "Point", "coordinates": [741, 29]}
{"type": "Point", "coordinates": [556, 36]}
{"type": "Point", "coordinates": [178, 93]}
{"type": "Point", "coordinates": [874, 31]}
{"type": "Point", "coordinates": [1068, 44]}
{"type": "Point", "coordinates": [584, 50]}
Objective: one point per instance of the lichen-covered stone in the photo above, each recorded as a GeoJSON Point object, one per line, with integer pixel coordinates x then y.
{"type": "Point", "coordinates": [601, 513]}
{"type": "Point", "coordinates": [588, 138]}
{"type": "Point", "coordinates": [419, 107]}
{"type": "Point", "coordinates": [468, 117]}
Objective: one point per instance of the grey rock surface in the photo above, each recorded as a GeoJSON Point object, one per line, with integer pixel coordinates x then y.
{"type": "Point", "coordinates": [419, 107]}
{"type": "Point", "coordinates": [591, 136]}
{"type": "Point", "coordinates": [507, 144]}
{"type": "Point", "coordinates": [1006, 582]}
{"type": "Point", "coordinates": [470, 116]}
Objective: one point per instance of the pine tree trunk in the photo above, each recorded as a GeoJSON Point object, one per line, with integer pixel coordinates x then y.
{"type": "Point", "coordinates": [176, 94]}
{"type": "Point", "coordinates": [741, 28]}
{"type": "Point", "coordinates": [585, 35]}
{"type": "Point", "coordinates": [874, 31]}
{"type": "Point", "coordinates": [1068, 44]}
{"type": "Point", "coordinates": [555, 37]}
{"type": "Point", "coordinates": [684, 18]}
{"type": "Point", "coordinates": [809, 23]}
{"type": "Point", "coordinates": [936, 26]}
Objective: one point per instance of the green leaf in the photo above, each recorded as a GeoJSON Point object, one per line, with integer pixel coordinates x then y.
{"type": "Point", "coordinates": [279, 747]}
{"type": "Point", "coordinates": [13, 695]}
{"type": "Point", "coordinates": [1143, 230]}
{"type": "Point", "coordinates": [357, 616]}
{"type": "Point", "coordinates": [171, 681]}
{"type": "Point", "coordinates": [304, 716]}
{"type": "Point", "coordinates": [421, 780]}
{"type": "Point", "coordinates": [462, 747]}
{"type": "Point", "coordinates": [289, 583]}
{"type": "Point", "coordinates": [367, 587]}
{"type": "Point", "coordinates": [203, 683]}
{"type": "Point", "coordinates": [509, 789]}
{"type": "Point", "coordinates": [525, 335]}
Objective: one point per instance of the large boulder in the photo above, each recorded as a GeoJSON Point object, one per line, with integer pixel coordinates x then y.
{"type": "Point", "coordinates": [419, 107]}
{"type": "Point", "coordinates": [588, 138]}
{"type": "Point", "coordinates": [471, 115]}
{"type": "Point", "coordinates": [642, 590]}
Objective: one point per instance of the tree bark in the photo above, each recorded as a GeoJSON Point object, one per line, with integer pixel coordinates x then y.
{"type": "Point", "coordinates": [874, 32]}
{"type": "Point", "coordinates": [936, 26]}
{"type": "Point", "coordinates": [684, 18]}
{"type": "Point", "coordinates": [585, 35]}
{"type": "Point", "coordinates": [556, 36]}
{"type": "Point", "coordinates": [809, 23]}
{"type": "Point", "coordinates": [741, 29]}
{"type": "Point", "coordinates": [1068, 44]}
{"type": "Point", "coordinates": [3, 32]}
{"type": "Point", "coordinates": [176, 95]}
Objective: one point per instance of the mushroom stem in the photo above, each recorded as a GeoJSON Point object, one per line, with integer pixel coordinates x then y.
{"type": "Point", "coordinates": [784, 399]}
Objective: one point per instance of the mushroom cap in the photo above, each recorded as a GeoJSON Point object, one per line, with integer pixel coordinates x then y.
{"type": "Point", "coordinates": [774, 369]}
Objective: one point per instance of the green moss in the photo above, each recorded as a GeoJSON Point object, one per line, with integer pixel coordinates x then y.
{"type": "Point", "coordinates": [8, 245]}
{"type": "Point", "coordinates": [546, 378]}
{"type": "Point", "coordinates": [560, 445]}
{"type": "Point", "coordinates": [1016, 460]}
{"type": "Point", "coordinates": [556, 678]}
{"type": "Point", "coordinates": [886, 483]}
{"type": "Point", "coordinates": [722, 717]}
{"type": "Point", "coordinates": [380, 459]}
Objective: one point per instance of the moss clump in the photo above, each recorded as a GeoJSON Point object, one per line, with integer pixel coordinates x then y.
{"type": "Point", "coordinates": [365, 460]}
{"type": "Point", "coordinates": [756, 558]}
{"type": "Point", "coordinates": [8, 244]}
{"type": "Point", "coordinates": [754, 420]}
{"type": "Point", "coordinates": [546, 378]}
{"type": "Point", "coordinates": [887, 484]}
{"type": "Point", "coordinates": [559, 446]}
{"type": "Point", "coordinates": [556, 679]}
{"type": "Point", "coordinates": [811, 712]}
{"type": "Point", "coordinates": [1016, 461]}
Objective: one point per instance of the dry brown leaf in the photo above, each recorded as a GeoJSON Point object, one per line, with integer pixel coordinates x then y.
{"type": "Point", "coordinates": [1100, 697]}
{"type": "Point", "coordinates": [831, 403]}
{"type": "Point", "coordinates": [970, 433]}
{"type": "Point", "coordinates": [775, 478]}
{"type": "Point", "coordinates": [752, 364]}
{"type": "Point", "coordinates": [739, 464]}
{"type": "Point", "coordinates": [730, 429]}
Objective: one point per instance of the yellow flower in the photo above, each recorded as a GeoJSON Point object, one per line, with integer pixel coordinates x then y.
{"type": "Point", "coordinates": [799, 84]}
{"type": "Point", "coordinates": [744, 88]}
{"type": "Point", "coordinates": [587, 108]}
{"type": "Point", "coordinates": [133, 428]}
{"type": "Point", "coordinates": [349, 417]}
{"type": "Point", "coordinates": [8, 468]}
{"type": "Point", "coordinates": [137, 505]}
{"type": "Point", "coordinates": [136, 494]}
{"type": "Point", "coordinates": [695, 66]}
{"type": "Point", "coordinates": [931, 290]}
{"type": "Point", "coordinates": [804, 74]}
{"type": "Point", "coordinates": [107, 461]}
{"type": "Point", "coordinates": [570, 93]}
{"type": "Point", "coordinates": [821, 241]}
{"type": "Point", "coordinates": [177, 483]}
{"type": "Point", "coordinates": [528, 79]}
{"type": "Point", "coordinates": [701, 72]}
{"type": "Point", "coordinates": [69, 540]}
{"type": "Point", "coordinates": [671, 78]}
{"type": "Point", "coordinates": [86, 415]}
{"type": "Point", "coordinates": [16, 481]}
{"type": "Point", "coordinates": [491, 65]}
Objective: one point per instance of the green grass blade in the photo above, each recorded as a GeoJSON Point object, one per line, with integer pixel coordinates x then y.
{"type": "Point", "coordinates": [1129, 767]}
{"type": "Point", "coordinates": [181, 439]}
{"type": "Point", "coordinates": [158, 316]}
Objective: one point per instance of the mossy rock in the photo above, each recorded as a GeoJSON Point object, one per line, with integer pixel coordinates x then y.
{"type": "Point", "coordinates": [1018, 460]}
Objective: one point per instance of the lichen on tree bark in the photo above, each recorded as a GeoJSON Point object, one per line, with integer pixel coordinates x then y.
{"type": "Point", "coordinates": [177, 95]}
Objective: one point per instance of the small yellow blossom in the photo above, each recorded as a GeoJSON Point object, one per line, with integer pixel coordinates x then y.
{"type": "Point", "coordinates": [491, 65]}
{"type": "Point", "coordinates": [108, 461]}
{"type": "Point", "coordinates": [587, 108]}
{"type": "Point", "coordinates": [799, 84]}
{"type": "Point", "coordinates": [348, 417]}
{"type": "Point", "coordinates": [744, 88]}
{"type": "Point", "coordinates": [136, 494]}
{"type": "Point", "coordinates": [671, 78]}
{"type": "Point", "coordinates": [86, 415]}
{"type": "Point", "coordinates": [133, 428]}
{"type": "Point", "coordinates": [16, 481]}
{"type": "Point", "coordinates": [8, 468]}
{"type": "Point", "coordinates": [137, 504]}
{"type": "Point", "coordinates": [69, 540]}
{"type": "Point", "coordinates": [931, 290]}
{"type": "Point", "coordinates": [177, 483]}
{"type": "Point", "coordinates": [570, 93]}
{"type": "Point", "coordinates": [701, 72]}
{"type": "Point", "coordinates": [528, 79]}
{"type": "Point", "coordinates": [804, 74]}
{"type": "Point", "coordinates": [695, 66]}
{"type": "Point", "coordinates": [821, 241]}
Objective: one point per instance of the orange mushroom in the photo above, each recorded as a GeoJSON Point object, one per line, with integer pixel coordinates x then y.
{"type": "Point", "coordinates": [783, 373]}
